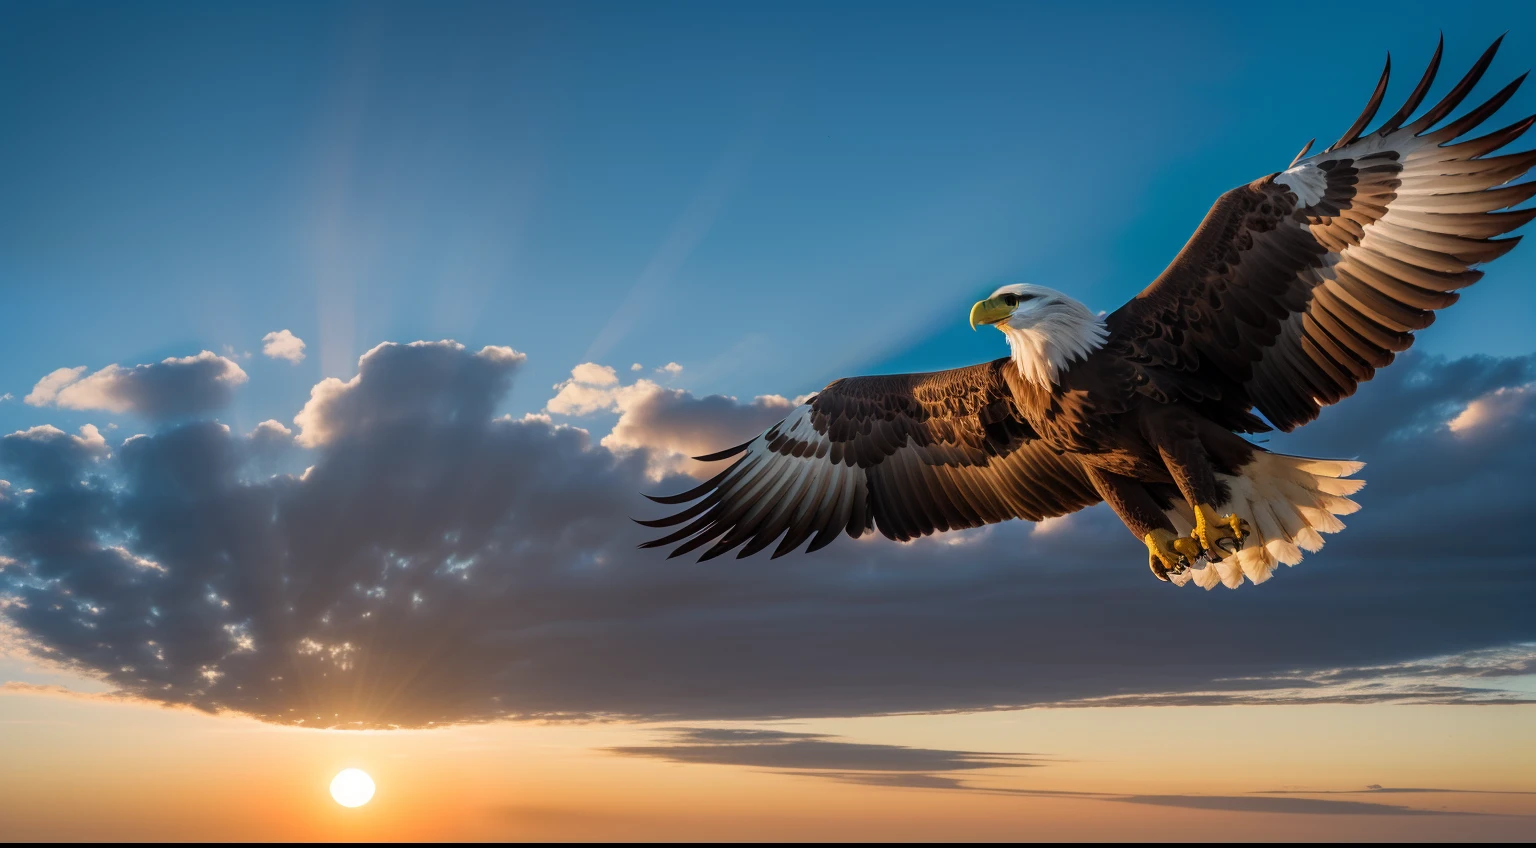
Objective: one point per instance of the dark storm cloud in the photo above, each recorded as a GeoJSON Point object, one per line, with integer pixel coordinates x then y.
{"type": "Point", "coordinates": [46, 453]}
{"type": "Point", "coordinates": [437, 563]}
{"type": "Point", "coordinates": [170, 389]}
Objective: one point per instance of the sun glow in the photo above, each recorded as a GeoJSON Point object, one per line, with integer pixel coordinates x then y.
{"type": "Point", "coordinates": [352, 788]}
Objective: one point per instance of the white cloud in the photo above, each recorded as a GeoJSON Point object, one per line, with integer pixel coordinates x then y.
{"type": "Point", "coordinates": [579, 399]}
{"type": "Point", "coordinates": [591, 388]}
{"type": "Point", "coordinates": [171, 387]}
{"type": "Point", "coordinates": [93, 392]}
{"type": "Point", "coordinates": [1498, 406]}
{"type": "Point", "coordinates": [271, 428]}
{"type": "Point", "coordinates": [7, 396]}
{"type": "Point", "coordinates": [90, 439]}
{"type": "Point", "coordinates": [501, 355]}
{"type": "Point", "coordinates": [47, 389]}
{"type": "Point", "coordinates": [637, 367]}
{"type": "Point", "coordinates": [1054, 524]}
{"type": "Point", "coordinates": [593, 374]}
{"type": "Point", "coordinates": [427, 372]}
{"type": "Point", "coordinates": [670, 425]}
{"type": "Point", "coordinates": [282, 344]}
{"type": "Point", "coordinates": [674, 425]}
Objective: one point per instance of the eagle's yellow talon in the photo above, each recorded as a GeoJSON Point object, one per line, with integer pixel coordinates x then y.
{"type": "Point", "coordinates": [1219, 535]}
{"type": "Point", "coordinates": [1239, 527]}
{"type": "Point", "coordinates": [1169, 554]}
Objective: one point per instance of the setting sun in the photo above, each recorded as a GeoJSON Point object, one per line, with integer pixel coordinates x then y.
{"type": "Point", "coordinates": [352, 788]}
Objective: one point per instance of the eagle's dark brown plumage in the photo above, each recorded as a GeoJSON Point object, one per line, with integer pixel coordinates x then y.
{"type": "Point", "coordinates": [1294, 289]}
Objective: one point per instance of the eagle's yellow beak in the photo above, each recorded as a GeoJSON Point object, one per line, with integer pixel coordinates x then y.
{"type": "Point", "coordinates": [990, 311]}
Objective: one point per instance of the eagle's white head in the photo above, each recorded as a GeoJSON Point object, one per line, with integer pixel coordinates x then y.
{"type": "Point", "coordinates": [1046, 330]}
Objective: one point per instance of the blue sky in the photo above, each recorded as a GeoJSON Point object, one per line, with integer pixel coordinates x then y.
{"type": "Point", "coordinates": [770, 196]}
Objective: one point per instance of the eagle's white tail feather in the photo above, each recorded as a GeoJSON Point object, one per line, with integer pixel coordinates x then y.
{"type": "Point", "coordinates": [1288, 501]}
{"type": "Point", "coordinates": [1339, 486]}
{"type": "Point", "coordinates": [1309, 541]}
{"type": "Point", "coordinates": [1338, 505]}
{"type": "Point", "coordinates": [1321, 467]}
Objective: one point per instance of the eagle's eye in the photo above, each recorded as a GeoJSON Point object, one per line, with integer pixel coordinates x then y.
{"type": "Point", "coordinates": [1011, 299]}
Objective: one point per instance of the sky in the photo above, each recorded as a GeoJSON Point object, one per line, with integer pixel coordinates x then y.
{"type": "Point", "coordinates": [344, 338]}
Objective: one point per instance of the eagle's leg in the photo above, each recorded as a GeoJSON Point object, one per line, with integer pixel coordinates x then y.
{"type": "Point", "coordinates": [1167, 551]}
{"type": "Point", "coordinates": [1190, 466]}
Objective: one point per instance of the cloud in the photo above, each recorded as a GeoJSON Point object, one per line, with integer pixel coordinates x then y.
{"type": "Point", "coordinates": [47, 453]}
{"type": "Point", "coordinates": [46, 392]}
{"type": "Point", "coordinates": [1295, 806]}
{"type": "Point", "coordinates": [779, 749]}
{"type": "Point", "coordinates": [669, 425]}
{"type": "Point", "coordinates": [169, 389]}
{"type": "Point", "coordinates": [1421, 393]}
{"type": "Point", "coordinates": [591, 388]}
{"type": "Point", "coordinates": [271, 429]}
{"type": "Point", "coordinates": [673, 425]}
{"type": "Point", "coordinates": [281, 344]}
{"type": "Point", "coordinates": [437, 562]}
{"type": "Point", "coordinates": [637, 367]}
{"type": "Point", "coordinates": [1506, 406]}
{"type": "Point", "coordinates": [16, 687]}
{"type": "Point", "coordinates": [269, 447]}
{"type": "Point", "coordinates": [397, 385]}
{"type": "Point", "coordinates": [819, 755]}
{"type": "Point", "coordinates": [1473, 677]}
{"type": "Point", "coordinates": [830, 758]}
{"type": "Point", "coordinates": [1378, 789]}
{"type": "Point", "coordinates": [592, 374]}
{"type": "Point", "coordinates": [671, 368]}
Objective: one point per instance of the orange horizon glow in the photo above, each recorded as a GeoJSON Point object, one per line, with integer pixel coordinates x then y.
{"type": "Point", "coordinates": [149, 777]}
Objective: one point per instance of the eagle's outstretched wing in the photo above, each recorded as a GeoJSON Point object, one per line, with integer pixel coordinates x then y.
{"type": "Point", "coordinates": [1296, 287]}
{"type": "Point", "coordinates": [907, 453]}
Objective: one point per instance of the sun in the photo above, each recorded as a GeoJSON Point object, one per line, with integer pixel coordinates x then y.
{"type": "Point", "coordinates": [352, 788]}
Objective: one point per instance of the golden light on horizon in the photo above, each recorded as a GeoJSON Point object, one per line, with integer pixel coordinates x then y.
{"type": "Point", "coordinates": [352, 788]}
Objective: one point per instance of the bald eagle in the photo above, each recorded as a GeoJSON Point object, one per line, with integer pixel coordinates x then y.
{"type": "Point", "coordinates": [1293, 291]}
